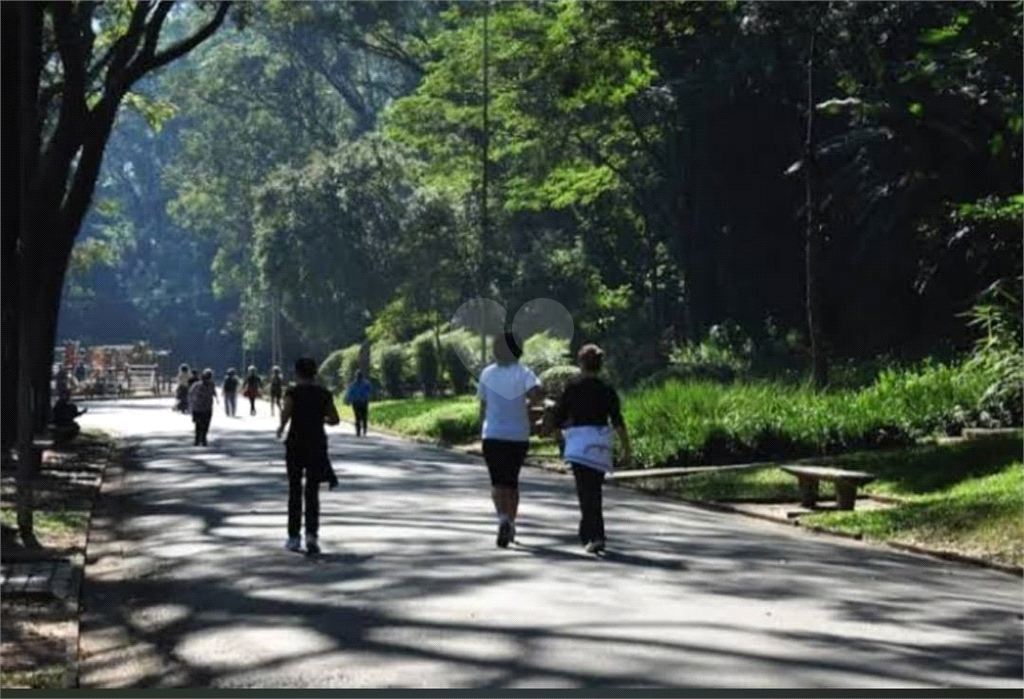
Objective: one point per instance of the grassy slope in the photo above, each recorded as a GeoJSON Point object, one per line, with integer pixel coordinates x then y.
{"type": "Point", "coordinates": [966, 497]}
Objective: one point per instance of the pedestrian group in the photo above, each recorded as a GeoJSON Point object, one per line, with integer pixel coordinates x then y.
{"type": "Point", "coordinates": [587, 413]}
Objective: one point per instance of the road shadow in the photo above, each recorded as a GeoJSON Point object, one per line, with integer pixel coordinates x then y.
{"type": "Point", "coordinates": [188, 585]}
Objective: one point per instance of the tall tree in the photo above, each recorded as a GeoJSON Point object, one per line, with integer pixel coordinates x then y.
{"type": "Point", "coordinates": [77, 62]}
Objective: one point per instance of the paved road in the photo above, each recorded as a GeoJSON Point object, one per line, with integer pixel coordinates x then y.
{"type": "Point", "coordinates": [188, 584]}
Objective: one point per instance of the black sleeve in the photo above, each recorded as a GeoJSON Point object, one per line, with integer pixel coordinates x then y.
{"type": "Point", "coordinates": [561, 412]}
{"type": "Point", "coordinates": [614, 408]}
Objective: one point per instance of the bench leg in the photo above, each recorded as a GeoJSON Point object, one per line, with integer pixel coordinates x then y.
{"type": "Point", "coordinates": [808, 491]}
{"type": "Point", "coordinates": [846, 495]}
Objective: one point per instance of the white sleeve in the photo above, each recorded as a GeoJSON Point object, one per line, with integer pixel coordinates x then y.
{"type": "Point", "coordinates": [530, 379]}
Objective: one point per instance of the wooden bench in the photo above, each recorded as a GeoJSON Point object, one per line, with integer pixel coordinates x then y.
{"type": "Point", "coordinates": [846, 483]}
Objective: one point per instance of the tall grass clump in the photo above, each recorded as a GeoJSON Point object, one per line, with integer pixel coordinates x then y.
{"type": "Point", "coordinates": [687, 423]}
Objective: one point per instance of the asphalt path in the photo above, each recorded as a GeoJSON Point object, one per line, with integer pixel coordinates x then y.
{"type": "Point", "coordinates": [187, 583]}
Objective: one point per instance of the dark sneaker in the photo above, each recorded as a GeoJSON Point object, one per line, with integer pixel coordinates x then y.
{"type": "Point", "coordinates": [293, 543]}
{"type": "Point", "coordinates": [504, 534]}
{"type": "Point", "coordinates": [312, 547]}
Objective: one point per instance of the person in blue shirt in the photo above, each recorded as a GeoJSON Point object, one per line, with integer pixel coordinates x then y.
{"type": "Point", "coordinates": [358, 396]}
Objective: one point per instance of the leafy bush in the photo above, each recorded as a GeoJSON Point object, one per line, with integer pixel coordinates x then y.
{"type": "Point", "coordinates": [725, 355]}
{"type": "Point", "coordinates": [351, 365]}
{"type": "Point", "coordinates": [553, 380]}
{"type": "Point", "coordinates": [689, 423]}
{"type": "Point", "coordinates": [455, 367]}
{"type": "Point", "coordinates": [541, 352]}
{"type": "Point", "coordinates": [329, 372]}
{"type": "Point", "coordinates": [392, 371]}
{"type": "Point", "coordinates": [427, 365]}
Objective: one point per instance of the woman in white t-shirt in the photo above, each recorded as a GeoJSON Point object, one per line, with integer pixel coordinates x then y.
{"type": "Point", "coordinates": [506, 389]}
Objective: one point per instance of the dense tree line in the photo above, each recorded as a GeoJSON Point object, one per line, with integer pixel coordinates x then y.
{"type": "Point", "coordinates": [658, 168]}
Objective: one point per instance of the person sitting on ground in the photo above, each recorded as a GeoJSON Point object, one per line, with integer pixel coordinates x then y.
{"type": "Point", "coordinates": [358, 396]}
{"type": "Point", "coordinates": [253, 384]}
{"type": "Point", "coordinates": [585, 409]}
{"type": "Point", "coordinates": [276, 389]}
{"type": "Point", "coordinates": [201, 398]}
{"type": "Point", "coordinates": [65, 427]}
{"type": "Point", "coordinates": [307, 406]}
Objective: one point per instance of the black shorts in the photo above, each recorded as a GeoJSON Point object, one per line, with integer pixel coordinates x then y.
{"type": "Point", "coordinates": [504, 459]}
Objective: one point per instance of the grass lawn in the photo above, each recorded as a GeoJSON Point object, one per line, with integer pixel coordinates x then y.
{"type": "Point", "coordinates": [966, 497]}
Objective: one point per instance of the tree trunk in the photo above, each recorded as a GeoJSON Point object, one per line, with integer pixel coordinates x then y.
{"type": "Point", "coordinates": [812, 238]}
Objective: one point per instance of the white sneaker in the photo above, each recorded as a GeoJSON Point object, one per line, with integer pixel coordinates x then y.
{"type": "Point", "coordinates": [293, 543]}
{"type": "Point", "coordinates": [595, 546]}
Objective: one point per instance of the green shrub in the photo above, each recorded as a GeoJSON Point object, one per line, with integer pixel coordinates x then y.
{"type": "Point", "coordinates": [392, 371]}
{"type": "Point", "coordinates": [542, 352]}
{"type": "Point", "coordinates": [351, 366]}
{"type": "Point", "coordinates": [553, 380]}
{"type": "Point", "coordinates": [329, 372]}
{"type": "Point", "coordinates": [458, 373]}
{"type": "Point", "coordinates": [689, 423]}
{"type": "Point", "coordinates": [427, 365]}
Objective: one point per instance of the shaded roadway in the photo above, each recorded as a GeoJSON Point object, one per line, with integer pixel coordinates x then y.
{"type": "Point", "coordinates": [187, 582]}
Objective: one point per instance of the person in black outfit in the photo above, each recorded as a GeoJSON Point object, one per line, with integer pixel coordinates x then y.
{"type": "Point", "coordinates": [307, 406]}
{"type": "Point", "coordinates": [585, 409]}
{"type": "Point", "coordinates": [65, 427]}
{"type": "Point", "coordinates": [231, 393]}
{"type": "Point", "coordinates": [276, 389]}
{"type": "Point", "coordinates": [253, 384]}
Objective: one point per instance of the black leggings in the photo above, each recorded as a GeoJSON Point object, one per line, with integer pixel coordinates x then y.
{"type": "Point", "coordinates": [296, 491]}
{"type": "Point", "coordinates": [362, 411]}
{"type": "Point", "coordinates": [588, 490]}
{"type": "Point", "coordinates": [202, 420]}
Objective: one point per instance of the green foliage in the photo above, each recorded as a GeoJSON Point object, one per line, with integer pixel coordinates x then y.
{"type": "Point", "coordinates": [338, 370]}
{"type": "Point", "coordinates": [978, 517]}
{"type": "Point", "coordinates": [554, 380]}
{"type": "Point", "coordinates": [454, 420]}
{"type": "Point", "coordinates": [330, 370]}
{"type": "Point", "coordinates": [542, 351]}
{"type": "Point", "coordinates": [693, 423]}
{"type": "Point", "coordinates": [393, 371]}
{"type": "Point", "coordinates": [458, 373]}
{"type": "Point", "coordinates": [427, 365]}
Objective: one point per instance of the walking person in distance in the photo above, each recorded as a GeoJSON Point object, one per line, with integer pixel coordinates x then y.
{"type": "Point", "coordinates": [307, 407]}
{"type": "Point", "coordinates": [506, 389]}
{"type": "Point", "coordinates": [230, 390]}
{"type": "Point", "coordinates": [253, 384]}
{"type": "Point", "coordinates": [201, 397]}
{"type": "Point", "coordinates": [358, 396]}
{"type": "Point", "coordinates": [276, 389]}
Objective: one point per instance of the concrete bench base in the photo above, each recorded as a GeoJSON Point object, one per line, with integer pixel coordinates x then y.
{"type": "Point", "coordinates": [846, 484]}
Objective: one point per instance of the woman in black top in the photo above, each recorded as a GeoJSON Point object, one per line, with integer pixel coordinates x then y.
{"type": "Point", "coordinates": [276, 389]}
{"type": "Point", "coordinates": [308, 406]}
{"type": "Point", "coordinates": [585, 409]}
